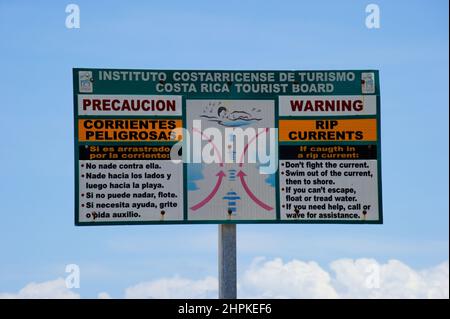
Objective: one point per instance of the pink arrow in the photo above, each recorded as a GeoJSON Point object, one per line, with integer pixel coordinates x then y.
{"type": "Point", "coordinates": [221, 175]}
{"type": "Point", "coordinates": [248, 144]}
{"type": "Point", "coordinates": [241, 175]}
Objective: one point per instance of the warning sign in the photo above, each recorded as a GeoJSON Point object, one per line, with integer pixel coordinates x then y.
{"type": "Point", "coordinates": [186, 146]}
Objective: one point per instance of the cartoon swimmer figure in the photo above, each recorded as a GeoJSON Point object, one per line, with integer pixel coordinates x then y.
{"type": "Point", "coordinates": [223, 113]}
{"type": "Point", "coordinates": [235, 118]}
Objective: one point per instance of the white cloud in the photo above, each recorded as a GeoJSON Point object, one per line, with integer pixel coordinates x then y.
{"type": "Point", "coordinates": [54, 289]}
{"type": "Point", "coordinates": [360, 278]}
{"type": "Point", "coordinates": [175, 287]}
{"type": "Point", "coordinates": [346, 278]}
{"type": "Point", "coordinates": [103, 295]}
{"type": "Point", "coordinates": [294, 279]}
{"type": "Point", "coordinates": [366, 278]}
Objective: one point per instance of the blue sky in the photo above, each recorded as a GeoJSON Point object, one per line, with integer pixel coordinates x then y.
{"type": "Point", "coordinates": [37, 235]}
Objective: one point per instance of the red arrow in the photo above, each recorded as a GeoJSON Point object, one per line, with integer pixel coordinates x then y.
{"type": "Point", "coordinates": [221, 175]}
{"type": "Point", "coordinates": [241, 175]}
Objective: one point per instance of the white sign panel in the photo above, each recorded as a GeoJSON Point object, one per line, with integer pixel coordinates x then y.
{"type": "Point", "coordinates": [234, 188]}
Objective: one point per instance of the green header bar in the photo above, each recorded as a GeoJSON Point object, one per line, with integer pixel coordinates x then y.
{"type": "Point", "coordinates": [232, 84]}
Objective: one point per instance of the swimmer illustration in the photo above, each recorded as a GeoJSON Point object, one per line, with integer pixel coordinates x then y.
{"type": "Point", "coordinates": [226, 117]}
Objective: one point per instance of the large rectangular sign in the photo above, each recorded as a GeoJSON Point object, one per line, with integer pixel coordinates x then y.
{"type": "Point", "coordinates": [186, 146]}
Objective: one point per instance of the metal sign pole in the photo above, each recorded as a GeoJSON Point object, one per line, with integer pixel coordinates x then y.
{"type": "Point", "coordinates": [227, 261]}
